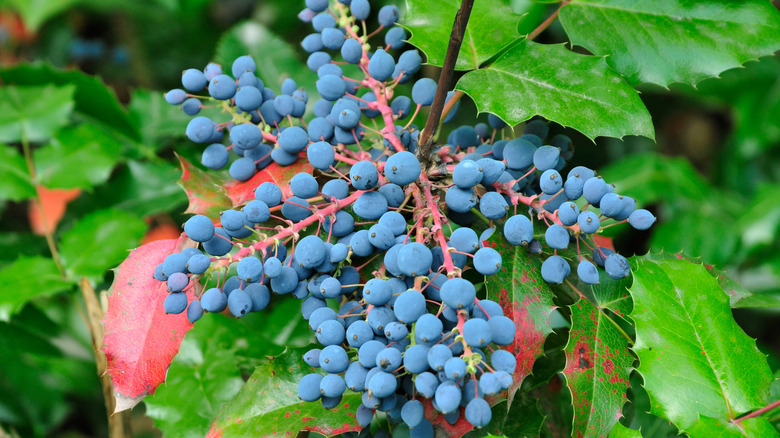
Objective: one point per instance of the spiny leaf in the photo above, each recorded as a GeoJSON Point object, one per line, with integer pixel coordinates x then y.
{"type": "Point", "coordinates": [492, 25]}
{"type": "Point", "coordinates": [525, 297]}
{"type": "Point", "coordinates": [694, 358]}
{"type": "Point", "coordinates": [100, 240]}
{"type": "Point", "coordinates": [565, 87]}
{"type": "Point", "coordinates": [77, 157]}
{"type": "Point", "coordinates": [203, 189]}
{"type": "Point", "coordinates": [268, 404]}
{"type": "Point", "coordinates": [92, 97]}
{"type": "Point", "coordinates": [667, 41]}
{"type": "Point", "coordinates": [242, 192]}
{"type": "Point", "coordinates": [140, 338]}
{"type": "Point", "coordinates": [598, 363]}
{"type": "Point", "coordinates": [620, 431]}
{"type": "Point", "coordinates": [25, 279]}
{"type": "Point", "coordinates": [708, 427]}
{"type": "Point", "coordinates": [25, 115]}
{"type": "Point", "coordinates": [16, 183]}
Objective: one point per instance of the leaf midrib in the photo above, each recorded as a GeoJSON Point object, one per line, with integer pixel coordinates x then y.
{"type": "Point", "coordinates": [674, 18]}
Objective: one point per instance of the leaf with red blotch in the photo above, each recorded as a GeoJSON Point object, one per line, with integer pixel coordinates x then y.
{"type": "Point", "coordinates": [140, 339]}
{"type": "Point", "coordinates": [526, 298]}
{"type": "Point", "coordinates": [243, 192]}
{"type": "Point", "coordinates": [204, 190]}
{"type": "Point", "coordinates": [268, 404]}
{"type": "Point", "coordinates": [598, 362]}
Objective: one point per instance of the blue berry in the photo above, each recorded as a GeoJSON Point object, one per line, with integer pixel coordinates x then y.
{"type": "Point", "coordinates": [381, 65]}
{"type": "Point", "coordinates": [587, 272]}
{"type": "Point", "coordinates": [213, 300]}
{"type": "Point", "coordinates": [589, 222]}
{"type": "Point", "coordinates": [402, 168]}
{"type": "Point", "coordinates": [364, 175]}
{"type": "Point", "coordinates": [641, 219]}
{"type": "Point", "coordinates": [518, 230]}
{"type": "Point", "coordinates": [175, 303]}
{"type": "Point", "coordinates": [555, 269]}
{"type": "Point", "coordinates": [557, 237]}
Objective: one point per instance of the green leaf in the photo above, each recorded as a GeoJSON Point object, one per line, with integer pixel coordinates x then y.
{"type": "Point", "coordinates": [694, 358]}
{"type": "Point", "coordinates": [565, 87]}
{"type": "Point", "coordinates": [15, 183]}
{"type": "Point", "coordinates": [753, 93]}
{"type": "Point", "coordinates": [158, 120]}
{"type": "Point", "coordinates": [100, 241]}
{"type": "Point", "coordinates": [492, 26]}
{"type": "Point", "coordinates": [276, 59]}
{"type": "Point", "coordinates": [140, 187]}
{"type": "Point", "coordinates": [620, 431]}
{"type": "Point", "coordinates": [81, 156]}
{"type": "Point", "coordinates": [268, 404]}
{"type": "Point", "coordinates": [25, 279]}
{"type": "Point", "coordinates": [202, 377]}
{"type": "Point", "coordinates": [667, 41]}
{"type": "Point", "coordinates": [92, 97]}
{"type": "Point", "coordinates": [526, 298]}
{"type": "Point", "coordinates": [34, 113]}
{"type": "Point", "coordinates": [16, 244]}
{"type": "Point", "coordinates": [760, 221]}
{"type": "Point", "coordinates": [598, 363]}
{"type": "Point", "coordinates": [752, 427]}
{"type": "Point", "coordinates": [35, 12]}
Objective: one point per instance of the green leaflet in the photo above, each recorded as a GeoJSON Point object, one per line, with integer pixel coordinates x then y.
{"type": "Point", "coordinates": [694, 358]}
{"type": "Point", "coordinates": [665, 41]}
{"type": "Point", "coordinates": [562, 86]}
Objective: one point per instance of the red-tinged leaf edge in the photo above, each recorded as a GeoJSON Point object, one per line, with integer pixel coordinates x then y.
{"type": "Point", "coordinates": [437, 419]}
{"type": "Point", "coordinates": [204, 190]}
{"type": "Point", "coordinates": [242, 192]}
{"type": "Point", "coordinates": [526, 298]}
{"type": "Point", "coordinates": [140, 339]}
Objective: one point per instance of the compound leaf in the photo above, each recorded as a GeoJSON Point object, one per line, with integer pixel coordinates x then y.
{"type": "Point", "coordinates": [25, 114]}
{"type": "Point", "coordinates": [694, 358]}
{"type": "Point", "coordinates": [526, 298]}
{"type": "Point", "coordinates": [492, 25]}
{"type": "Point", "coordinates": [667, 41]}
{"type": "Point", "coordinates": [100, 241]}
{"type": "Point", "coordinates": [25, 279]}
{"type": "Point", "coordinates": [140, 339]}
{"type": "Point", "coordinates": [598, 363]}
{"type": "Point", "coordinates": [268, 404]}
{"type": "Point", "coordinates": [562, 86]}
{"type": "Point", "coordinates": [16, 183]}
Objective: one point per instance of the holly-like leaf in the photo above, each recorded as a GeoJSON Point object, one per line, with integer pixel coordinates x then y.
{"type": "Point", "coordinates": [16, 183]}
{"type": "Point", "coordinates": [565, 87]}
{"type": "Point", "coordinates": [751, 428]}
{"type": "Point", "coordinates": [492, 26]}
{"type": "Point", "coordinates": [140, 338]}
{"type": "Point", "coordinates": [77, 157]}
{"type": "Point", "coordinates": [667, 41]}
{"type": "Point", "coordinates": [760, 221]}
{"type": "Point", "coordinates": [268, 404]}
{"type": "Point", "coordinates": [694, 358]}
{"type": "Point", "coordinates": [92, 97]}
{"type": "Point", "coordinates": [203, 376]}
{"type": "Point", "coordinates": [526, 298]}
{"type": "Point", "coordinates": [203, 189]}
{"type": "Point", "coordinates": [100, 240]}
{"type": "Point", "coordinates": [598, 363]}
{"type": "Point", "coordinates": [25, 114]}
{"type": "Point", "coordinates": [25, 279]}
{"type": "Point", "coordinates": [242, 192]}
{"type": "Point", "coordinates": [620, 431]}
{"type": "Point", "coordinates": [155, 118]}
{"type": "Point", "coordinates": [144, 188]}
{"type": "Point", "coordinates": [276, 59]}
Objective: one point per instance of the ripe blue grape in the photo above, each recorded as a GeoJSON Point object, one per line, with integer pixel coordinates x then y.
{"type": "Point", "coordinates": [176, 96]}
{"type": "Point", "coordinates": [200, 129]}
{"type": "Point", "coordinates": [458, 293]}
{"type": "Point", "coordinates": [309, 387]}
{"type": "Point", "coordinates": [587, 272]}
{"type": "Point", "coordinates": [213, 300]}
{"type": "Point", "coordinates": [641, 219]}
{"type": "Point", "coordinates": [409, 306]}
{"type": "Point", "coordinates": [478, 412]}
{"type": "Point", "coordinates": [557, 237]}
{"type": "Point", "coordinates": [239, 303]}
{"type": "Point", "coordinates": [518, 230]}
{"type": "Point", "coordinates": [594, 189]}
{"type": "Point", "coordinates": [477, 333]}
{"type": "Point", "coordinates": [554, 269]}
{"type": "Point", "coordinates": [269, 193]}
{"type": "Point", "coordinates": [352, 51]}
{"type": "Point", "coordinates": [617, 266]}
{"type": "Point", "coordinates": [199, 228]}
{"type": "Point", "coordinates": [381, 65]}
{"type": "Point", "coordinates": [423, 91]}
{"type": "Point", "coordinates": [551, 182]}
{"type": "Point", "coordinates": [448, 398]}
{"type": "Point", "coordinates": [459, 200]}
{"type": "Point", "coordinates": [568, 213]}
{"type": "Point", "coordinates": [293, 139]}
{"type": "Point", "coordinates": [589, 222]}
{"type": "Point", "coordinates": [467, 174]}
{"type": "Point", "coordinates": [402, 168]}
{"type": "Point", "coordinates": [364, 175]}
{"type": "Point", "coordinates": [331, 87]}
{"type": "Point", "coordinates": [175, 303]}
{"type": "Point", "coordinates": [487, 261]}
{"type": "Point", "coordinates": [257, 211]}
{"type": "Point", "coordinates": [370, 206]}
{"type": "Point", "coordinates": [333, 359]}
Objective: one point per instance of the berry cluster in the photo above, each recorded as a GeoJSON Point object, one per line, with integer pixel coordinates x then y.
{"type": "Point", "coordinates": [381, 231]}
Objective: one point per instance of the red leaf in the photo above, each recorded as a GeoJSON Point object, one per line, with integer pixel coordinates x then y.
{"type": "Point", "coordinates": [243, 192]}
{"type": "Point", "coordinates": [140, 340]}
{"type": "Point", "coordinates": [526, 298]}
{"type": "Point", "coordinates": [204, 190]}
{"type": "Point", "coordinates": [437, 418]}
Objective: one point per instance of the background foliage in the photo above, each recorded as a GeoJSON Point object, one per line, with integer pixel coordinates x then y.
{"type": "Point", "coordinates": [81, 84]}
